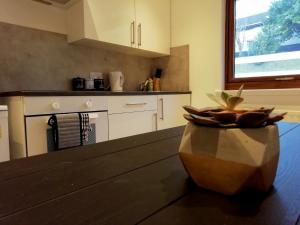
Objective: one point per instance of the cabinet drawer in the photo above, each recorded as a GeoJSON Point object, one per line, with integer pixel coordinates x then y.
{"type": "Point", "coordinates": [128, 124]}
{"type": "Point", "coordinates": [66, 104]}
{"type": "Point", "coordinates": [122, 104]}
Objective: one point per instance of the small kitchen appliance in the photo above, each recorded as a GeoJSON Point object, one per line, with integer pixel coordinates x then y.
{"type": "Point", "coordinates": [78, 84]}
{"type": "Point", "coordinates": [89, 84]}
{"type": "Point", "coordinates": [99, 82]}
{"type": "Point", "coordinates": [116, 80]}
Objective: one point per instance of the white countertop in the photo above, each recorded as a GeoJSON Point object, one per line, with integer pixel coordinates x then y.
{"type": "Point", "coordinates": [3, 107]}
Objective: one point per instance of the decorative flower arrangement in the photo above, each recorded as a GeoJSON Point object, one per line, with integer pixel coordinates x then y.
{"type": "Point", "coordinates": [226, 115]}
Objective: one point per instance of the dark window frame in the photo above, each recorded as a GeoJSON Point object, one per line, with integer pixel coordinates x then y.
{"type": "Point", "coordinates": [272, 82]}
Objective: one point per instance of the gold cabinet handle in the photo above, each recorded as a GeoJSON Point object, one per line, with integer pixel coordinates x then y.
{"type": "Point", "coordinates": [136, 104]}
{"type": "Point", "coordinates": [140, 34]}
{"type": "Point", "coordinates": [162, 109]}
{"type": "Point", "coordinates": [133, 33]}
{"type": "Point", "coordinates": [155, 122]}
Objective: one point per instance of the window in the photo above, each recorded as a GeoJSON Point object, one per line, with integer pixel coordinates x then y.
{"type": "Point", "coordinates": [263, 43]}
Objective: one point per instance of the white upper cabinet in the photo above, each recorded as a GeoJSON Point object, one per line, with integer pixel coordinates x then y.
{"type": "Point", "coordinates": [153, 25]}
{"type": "Point", "coordinates": [133, 26]}
{"type": "Point", "coordinates": [110, 21]}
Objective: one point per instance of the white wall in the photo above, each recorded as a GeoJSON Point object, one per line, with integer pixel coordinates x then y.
{"type": "Point", "coordinates": [284, 100]}
{"type": "Point", "coordinates": [33, 14]}
{"type": "Point", "coordinates": [201, 24]}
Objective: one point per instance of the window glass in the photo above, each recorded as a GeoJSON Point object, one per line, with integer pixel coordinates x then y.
{"type": "Point", "coordinates": [267, 38]}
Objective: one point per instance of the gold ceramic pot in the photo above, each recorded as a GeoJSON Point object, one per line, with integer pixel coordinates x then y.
{"type": "Point", "coordinates": [231, 160]}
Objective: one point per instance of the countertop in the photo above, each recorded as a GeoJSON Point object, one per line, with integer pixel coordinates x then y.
{"type": "Point", "coordinates": [87, 93]}
{"type": "Point", "coordinates": [140, 180]}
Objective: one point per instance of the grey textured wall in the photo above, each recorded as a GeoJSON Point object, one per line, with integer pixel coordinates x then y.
{"type": "Point", "coordinates": [38, 60]}
{"type": "Point", "coordinates": [176, 69]}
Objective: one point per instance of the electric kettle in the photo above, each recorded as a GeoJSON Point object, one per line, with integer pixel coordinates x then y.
{"type": "Point", "coordinates": [116, 80]}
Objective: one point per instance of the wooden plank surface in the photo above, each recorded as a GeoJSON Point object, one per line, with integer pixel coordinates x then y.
{"type": "Point", "coordinates": [28, 191]}
{"type": "Point", "coordinates": [126, 199]}
{"type": "Point", "coordinates": [139, 180]}
{"type": "Point", "coordinates": [22, 167]}
{"type": "Point", "coordinates": [281, 206]}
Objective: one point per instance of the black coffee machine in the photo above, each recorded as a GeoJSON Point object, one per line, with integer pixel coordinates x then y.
{"type": "Point", "coordinates": [78, 84]}
{"type": "Point", "coordinates": [99, 84]}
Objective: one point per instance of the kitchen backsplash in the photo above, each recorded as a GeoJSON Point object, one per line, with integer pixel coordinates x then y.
{"type": "Point", "coordinates": [39, 60]}
{"type": "Point", "coordinates": [176, 69]}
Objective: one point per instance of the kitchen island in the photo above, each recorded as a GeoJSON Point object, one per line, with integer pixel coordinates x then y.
{"type": "Point", "coordinates": [139, 180]}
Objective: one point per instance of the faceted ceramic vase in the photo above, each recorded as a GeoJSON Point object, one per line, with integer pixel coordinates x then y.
{"type": "Point", "coordinates": [232, 160]}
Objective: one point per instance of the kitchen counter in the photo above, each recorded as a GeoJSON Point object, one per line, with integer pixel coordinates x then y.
{"type": "Point", "coordinates": [140, 180]}
{"type": "Point", "coordinates": [87, 93]}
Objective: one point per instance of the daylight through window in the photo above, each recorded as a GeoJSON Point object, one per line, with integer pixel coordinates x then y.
{"type": "Point", "coordinates": [266, 39]}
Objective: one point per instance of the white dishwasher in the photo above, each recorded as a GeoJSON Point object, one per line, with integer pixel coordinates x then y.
{"type": "Point", "coordinates": [4, 141]}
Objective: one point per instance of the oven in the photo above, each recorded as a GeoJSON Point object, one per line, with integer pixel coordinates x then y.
{"type": "Point", "coordinates": [39, 135]}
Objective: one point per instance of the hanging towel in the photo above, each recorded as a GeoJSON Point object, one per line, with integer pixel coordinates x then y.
{"type": "Point", "coordinates": [85, 126]}
{"type": "Point", "coordinates": [66, 130]}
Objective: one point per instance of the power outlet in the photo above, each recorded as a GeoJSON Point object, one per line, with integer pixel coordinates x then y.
{"type": "Point", "coordinates": [95, 75]}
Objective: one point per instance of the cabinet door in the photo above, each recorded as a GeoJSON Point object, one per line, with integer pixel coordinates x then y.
{"type": "Point", "coordinates": [170, 111]}
{"type": "Point", "coordinates": [128, 124]}
{"type": "Point", "coordinates": [153, 25]}
{"type": "Point", "coordinates": [126, 104]}
{"type": "Point", "coordinates": [4, 142]}
{"type": "Point", "coordinates": [110, 21]}
{"type": "Point", "coordinates": [36, 134]}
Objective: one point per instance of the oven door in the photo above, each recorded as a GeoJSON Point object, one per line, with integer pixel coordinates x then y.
{"type": "Point", "coordinates": [39, 138]}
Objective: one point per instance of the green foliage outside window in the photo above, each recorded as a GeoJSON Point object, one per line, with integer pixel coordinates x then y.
{"type": "Point", "coordinates": [282, 24]}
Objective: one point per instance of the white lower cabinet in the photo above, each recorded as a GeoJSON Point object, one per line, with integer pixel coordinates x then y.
{"type": "Point", "coordinates": [112, 116]}
{"type": "Point", "coordinates": [132, 115]}
{"type": "Point", "coordinates": [170, 111]}
{"type": "Point", "coordinates": [37, 140]}
{"type": "Point", "coordinates": [4, 145]}
{"type": "Point", "coordinates": [132, 123]}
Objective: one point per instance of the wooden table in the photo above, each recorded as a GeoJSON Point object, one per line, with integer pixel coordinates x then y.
{"type": "Point", "coordinates": [139, 180]}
